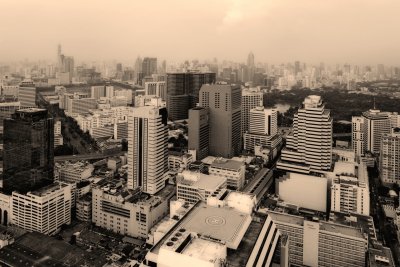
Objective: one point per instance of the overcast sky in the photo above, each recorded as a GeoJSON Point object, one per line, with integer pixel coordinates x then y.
{"type": "Point", "coordinates": [334, 31]}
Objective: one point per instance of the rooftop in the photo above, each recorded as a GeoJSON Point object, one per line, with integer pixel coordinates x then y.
{"type": "Point", "coordinates": [229, 164]}
{"type": "Point", "coordinates": [204, 249]}
{"type": "Point", "coordinates": [200, 180]}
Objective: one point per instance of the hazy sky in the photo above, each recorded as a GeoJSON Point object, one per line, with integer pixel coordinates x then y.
{"type": "Point", "coordinates": [335, 31]}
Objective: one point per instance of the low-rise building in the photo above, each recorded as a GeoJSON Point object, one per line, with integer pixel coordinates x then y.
{"type": "Point", "coordinates": [125, 211]}
{"type": "Point", "coordinates": [44, 210]}
{"type": "Point", "coordinates": [84, 208]}
{"type": "Point", "coordinates": [74, 172]}
{"type": "Point", "coordinates": [195, 186]}
{"type": "Point", "coordinates": [233, 170]}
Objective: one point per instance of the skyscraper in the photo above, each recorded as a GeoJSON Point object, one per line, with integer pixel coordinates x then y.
{"type": "Point", "coordinates": [147, 148]}
{"type": "Point", "coordinates": [28, 150]}
{"type": "Point", "coordinates": [183, 91]}
{"type": "Point", "coordinates": [224, 105]}
{"type": "Point", "coordinates": [27, 94]}
{"type": "Point", "coordinates": [251, 98]}
{"type": "Point", "coordinates": [389, 161]}
{"type": "Point", "coordinates": [149, 66]}
{"type": "Point", "coordinates": [357, 135]}
{"type": "Point", "coordinates": [309, 145]}
{"type": "Point", "coordinates": [376, 124]}
{"type": "Point", "coordinates": [199, 132]}
{"type": "Point", "coordinates": [251, 67]}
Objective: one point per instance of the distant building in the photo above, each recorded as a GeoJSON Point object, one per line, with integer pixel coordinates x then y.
{"type": "Point", "coordinates": [149, 66]}
{"type": "Point", "coordinates": [156, 88]}
{"type": "Point", "coordinates": [224, 105]}
{"type": "Point", "coordinates": [28, 156]}
{"type": "Point", "coordinates": [58, 138]}
{"type": "Point", "coordinates": [183, 91]}
{"type": "Point", "coordinates": [27, 94]}
{"type": "Point", "coordinates": [81, 105]}
{"type": "Point", "coordinates": [6, 110]}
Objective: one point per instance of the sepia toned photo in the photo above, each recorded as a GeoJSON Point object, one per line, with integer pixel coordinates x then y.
{"type": "Point", "coordinates": [199, 133]}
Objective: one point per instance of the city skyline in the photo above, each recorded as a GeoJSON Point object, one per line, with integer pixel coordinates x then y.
{"type": "Point", "coordinates": [311, 31]}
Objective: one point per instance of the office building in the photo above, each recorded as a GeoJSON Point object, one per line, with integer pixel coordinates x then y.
{"type": "Point", "coordinates": [81, 105]}
{"type": "Point", "coordinates": [199, 132]}
{"type": "Point", "coordinates": [156, 89]}
{"type": "Point", "coordinates": [74, 172]}
{"type": "Point", "coordinates": [125, 211]}
{"type": "Point", "coordinates": [376, 124]}
{"type": "Point", "coordinates": [309, 145]}
{"type": "Point", "coordinates": [262, 130]}
{"type": "Point", "coordinates": [98, 91]}
{"type": "Point", "coordinates": [233, 170]}
{"type": "Point", "coordinates": [27, 94]}
{"type": "Point", "coordinates": [195, 186]}
{"type": "Point", "coordinates": [149, 66]}
{"type": "Point", "coordinates": [224, 106]}
{"type": "Point", "coordinates": [358, 135]}
{"type": "Point", "coordinates": [58, 138]}
{"type": "Point", "coordinates": [251, 98]}
{"type": "Point", "coordinates": [44, 210]}
{"type": "Point", "coordinates": [389, 161]}
{"type": "Point", "coordinates": [6, 110]}
{"type": "Point", "coordinates": [28, 157]}
{"type": "Point", "coordinates": [342, 241]}
{"type": "Point", "coordinates": [350, 188]}
{"type": "Point", "coordinates": [147, 148]}
{"type": "Point", "coordinates": [183, 91]}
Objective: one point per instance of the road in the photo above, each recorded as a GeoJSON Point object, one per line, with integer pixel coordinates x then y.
{"type": "Point", "coordinates": [88, 156]}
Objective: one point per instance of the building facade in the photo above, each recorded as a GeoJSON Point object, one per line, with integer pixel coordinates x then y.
{"type": "Point", "coordinates": [309, 145]}
{"type": "Point", "coordinates": [224, 105]}
{"type": "Point", "coordinates": [147, 148]}
{"type": "Point", "coordinates": [199, 132]}
{"type": "Point", "coordinates": [28, 150]}
{"type": "Point", "coordinates": [389, 161]}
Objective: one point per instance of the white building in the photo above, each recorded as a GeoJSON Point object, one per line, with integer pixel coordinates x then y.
{"type": "Point", "coordinates": [58, 138]}
{"type": "Point", "coordinates": [147, 148]}
{"type": "Point", "coordinates": [350, 188]}
{"type": "Point", "coordinates": [233, 170]}
{"type": "Point", "coordinates": [389, 164]}
{"type": "Point", "coordinates": [27, 96]}
{"type": "Point", "coordinates": [44, 210]}
{"type": "Point", "coordinates": [81, 105]}
{"type": "Point", "coordinates": [74, 172]}
{"type": "Point", "coordinates": [124, 211]}
{"type": "Point", "coordinates": [309, 145]}
{"type": "Point", "coordinates": [195, 186]}
{"type": "Point", "coordinates": [357, 135]}
{"type": "Point", "coordinates": [340, 242]}
{"type": "Point", "coordinates": [251, 98]}
{"type": "Point", "coordinates": [156, 89]}
{"type": "Point", "coordinates": [305, 191]}
{"type": "Point", "coordinates": [179, 161]}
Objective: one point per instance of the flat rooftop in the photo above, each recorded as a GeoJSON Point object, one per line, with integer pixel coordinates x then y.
{"type": "Point", "coordinates": [219, 223]}
{"type": "Point", "coordinates": [205, 250]}
{"type": "Point", "coordinates": [201, 180]}
{"type": "Point", "coordinates": [227, 164]}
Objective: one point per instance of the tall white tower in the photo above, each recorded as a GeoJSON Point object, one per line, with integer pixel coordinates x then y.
{"type": "Point", "coordinates": [147, 148]}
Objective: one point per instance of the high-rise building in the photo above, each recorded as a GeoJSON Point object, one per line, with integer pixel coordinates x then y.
{"type": "Point", "coordinates": [183, 91]}
{"type": "Point", "coordinates": [350, 188]}
{"type": "Point", "coordinates": [251, 98]}
{"type": "Point", "coordinates": [28, 150]}
{"type": "Point", "coordinates": [389, 164]}
{"type": "Point", "coordinates": [357, 135]}
{"type": "Point", "coordinates": [199, 132]}
{"type": "Point", "coordinates": [149, 66]}
{"type": "Point", "coordinates": [309, 145]}
{"type": "Point", "coordinates": [6, 110]}
{"type": "Point", "coordinates": [156, 88]}
{"type": "Point", "coordinates": [262, 130]}
{"type": "Point", "coordinates": [376, 124]}
{"type": "Point", "coordinates": [27, 94]}
{"type": "Point", "coordinates": [147, 148]}
{"type": "Point", "coordinates": [224, 106]}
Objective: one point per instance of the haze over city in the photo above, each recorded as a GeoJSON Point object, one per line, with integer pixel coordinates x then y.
{"type": "Point", "coordinates": [355, 32]}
